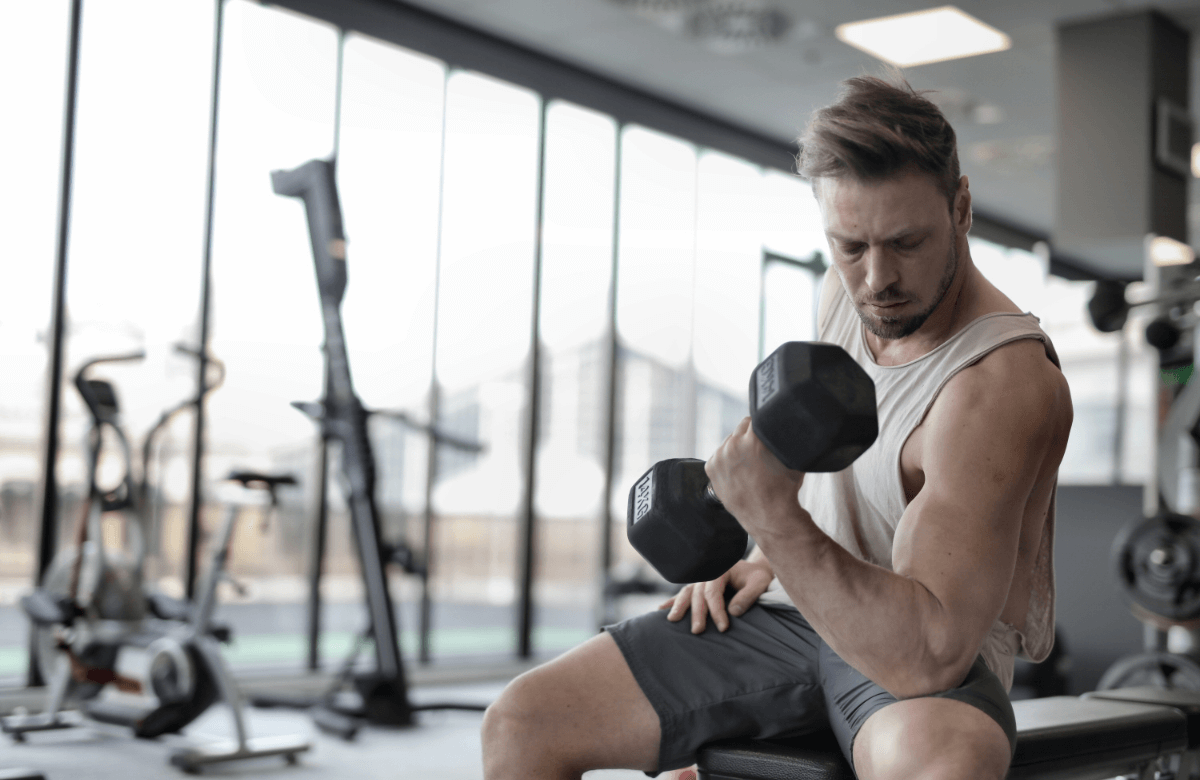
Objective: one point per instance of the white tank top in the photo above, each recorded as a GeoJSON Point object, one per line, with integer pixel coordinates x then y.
{"type": "Point", "coordinates": [860, 506]}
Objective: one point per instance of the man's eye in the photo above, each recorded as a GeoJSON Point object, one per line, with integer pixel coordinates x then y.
{"type": "Point", "coordinates": [908, 246]}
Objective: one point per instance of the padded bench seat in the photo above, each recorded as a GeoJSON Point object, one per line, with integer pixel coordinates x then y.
{"type": "Point", "coordinates": [1057, 738]}
{"type": "Point", "coordinates": [1187, 702]}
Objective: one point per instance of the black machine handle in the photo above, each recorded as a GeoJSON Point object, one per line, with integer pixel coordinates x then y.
{"type": "Point", "coordinates": [101, 401]}
{"type": "Point", "coordinates": [97, 395]}
{"type": "Point", "coordinates": [315, 184]}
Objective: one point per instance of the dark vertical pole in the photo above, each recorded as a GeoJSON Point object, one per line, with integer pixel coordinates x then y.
{"type": "Point", "coordinates": [527, 541]}
{"type": "Point", "coordinates": [762, 306]}
{"type": "Point", "coordinates": [607, 614]}
{"type": "Point", "coordinates": [688, 420]}
{"type": "Point", "coordinates": [431, 467]}
{"type": "Point", "coordinates": [431, 478]}
{"type": "Point", "coordinates": [1121, 409]}
{"type": "Point", "coordinates": [435, 410]}
{"type": "Point", "coordinates": [197, 477]}
{"type": "Point", "coordinates": [48, 535]}
{"type": "Point", "coordinates": [316, 559]}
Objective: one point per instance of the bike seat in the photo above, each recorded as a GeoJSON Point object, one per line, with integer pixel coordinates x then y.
{"type": "Point", "coordinates": [258, 479]}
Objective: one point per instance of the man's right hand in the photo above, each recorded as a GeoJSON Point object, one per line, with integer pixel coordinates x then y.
{"type": "Point", "coordinates": [748, 578]}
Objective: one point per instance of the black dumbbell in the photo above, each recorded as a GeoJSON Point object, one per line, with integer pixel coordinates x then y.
{"type": "Point", "coordinates": [811, 405]}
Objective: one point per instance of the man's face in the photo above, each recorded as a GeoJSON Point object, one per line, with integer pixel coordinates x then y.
{"type": "Point", "coordinates": [895, 243]}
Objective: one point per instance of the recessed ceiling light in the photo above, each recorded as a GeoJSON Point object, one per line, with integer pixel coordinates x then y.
{"type": "Point", "coordinates": [921, 37]}
{"type": "Point", "coordinates": [1168, 251]}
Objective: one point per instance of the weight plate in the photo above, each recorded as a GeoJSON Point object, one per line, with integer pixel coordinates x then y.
{"type": "Point", "coordinates": [1157, 562]}
{"type": "Point", "coordinates": [1160, 670]}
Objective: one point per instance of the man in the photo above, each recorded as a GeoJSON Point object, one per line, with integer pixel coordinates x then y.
{"type": "Point", "coordinates": [888, 600]}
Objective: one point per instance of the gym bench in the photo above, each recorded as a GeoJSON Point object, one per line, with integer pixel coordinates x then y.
{"type": "Point", "coordinates": [1100, 735]}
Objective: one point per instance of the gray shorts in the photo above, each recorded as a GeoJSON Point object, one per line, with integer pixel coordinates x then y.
{"type": "Point", "coordinates": [769, 676]}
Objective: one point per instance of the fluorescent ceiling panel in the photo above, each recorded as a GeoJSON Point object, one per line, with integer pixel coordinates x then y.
{"type": "Point", "coordinates": [921, 37]}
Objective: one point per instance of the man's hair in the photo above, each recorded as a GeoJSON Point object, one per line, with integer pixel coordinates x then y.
{"type": "Point", "coordinates": [876, 129]}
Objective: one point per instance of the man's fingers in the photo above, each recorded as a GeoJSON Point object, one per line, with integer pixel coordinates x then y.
{"type": "Point", "coordinates": [699, 609]}
{"type": "Point", "coordinates": [680, 603]}
{"type": "Point", "coordinates": [743, 599]}
{"type": "Point", "coordinates": [749, 586]}
{"type": "Point", "coordinates": [714, 596]}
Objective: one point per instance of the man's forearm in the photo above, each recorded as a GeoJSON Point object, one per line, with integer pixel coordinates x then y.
{"type": "Point", "coordinates": [887, 626]}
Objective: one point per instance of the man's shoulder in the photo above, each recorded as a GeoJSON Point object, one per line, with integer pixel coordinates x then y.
{"type": "Point", "coordinates": [1015, 383]}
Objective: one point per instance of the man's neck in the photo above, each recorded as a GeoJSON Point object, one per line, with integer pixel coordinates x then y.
{"type": "Point", "coordinates": [955, 311]}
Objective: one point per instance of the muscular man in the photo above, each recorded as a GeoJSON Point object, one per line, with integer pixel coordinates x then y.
{"type": "Point", "coordinates": [888, 600]}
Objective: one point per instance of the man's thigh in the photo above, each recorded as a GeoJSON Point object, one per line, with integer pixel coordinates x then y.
{"type": "Point", "coordinates": [973, 722]}
{"type": "Point", "coordinates": [933, 738]}
{"type": "Point", "coordinates": [760, 678]}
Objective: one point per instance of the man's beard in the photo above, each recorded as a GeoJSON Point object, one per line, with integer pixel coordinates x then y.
{"type": "Point", "coordinates": [899, 327]}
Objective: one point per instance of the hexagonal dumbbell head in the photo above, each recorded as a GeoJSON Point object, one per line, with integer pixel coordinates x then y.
{"type": "Point", "coordinates": [813, 406]}
{"type": "Point", "coordinates": [678, 527]}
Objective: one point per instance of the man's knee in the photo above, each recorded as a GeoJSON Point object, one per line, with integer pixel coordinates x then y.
{"type": "Point", "coordinates": [513, 716]}
{"type": "Point", "coordinates": [582, 710]}
{"type": "Point", "coordinates": [931, 739]}
{"type": "Point", "coordinates": [513, 735]}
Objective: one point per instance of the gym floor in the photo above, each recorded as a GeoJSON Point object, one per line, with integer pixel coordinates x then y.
{"type": "Point", "coordinates": [443, 746]}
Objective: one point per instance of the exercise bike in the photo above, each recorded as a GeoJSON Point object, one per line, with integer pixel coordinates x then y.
{"type": "Point", "coordinates": [96, 627]}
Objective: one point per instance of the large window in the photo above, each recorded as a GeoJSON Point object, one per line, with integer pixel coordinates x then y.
{"type": "Point", "coordinates": [389, 176]}
{"type": "Point", "coordinates": [135, 259]}
{"type": "Point", "coordinates": [576, 290]}
{"type": "Point", "coordinates": [485, 299]}
{"type": "Point", "coordinates": [729, 239]}
{"type": "Point", "coordinates": [655, 297]}
{"type": "Point", "coordinates": [33, 42]}
{"type": "Point", "coordinates": [277, 107]}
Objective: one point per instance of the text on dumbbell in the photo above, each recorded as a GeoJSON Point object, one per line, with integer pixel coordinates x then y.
{"type": "Point", "coordinates": [767, 377]}
{"type": "Point", "coordinates": [644, 491]}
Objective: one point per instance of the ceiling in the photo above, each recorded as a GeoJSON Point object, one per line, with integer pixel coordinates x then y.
{"type": "Point", "coordinates": [1002, 105]}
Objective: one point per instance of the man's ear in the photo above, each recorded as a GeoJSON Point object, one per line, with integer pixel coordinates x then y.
{"type": "Point", "coordinates": [962, 205]}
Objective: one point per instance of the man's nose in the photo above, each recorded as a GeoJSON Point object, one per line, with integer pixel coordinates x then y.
{"type": "Point", "coordinates": [881, 271]}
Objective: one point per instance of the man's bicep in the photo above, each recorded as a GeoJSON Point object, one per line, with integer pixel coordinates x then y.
{"type": "Point", "coordinates": [963, 552]}
{"type": "Point", "coordinates": [983, 452]}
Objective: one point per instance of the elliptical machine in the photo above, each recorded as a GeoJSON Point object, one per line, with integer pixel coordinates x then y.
{"type": "Point", "coordinates": [96, 627]}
